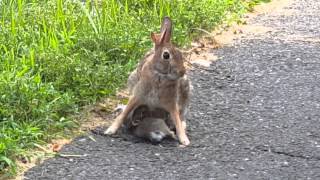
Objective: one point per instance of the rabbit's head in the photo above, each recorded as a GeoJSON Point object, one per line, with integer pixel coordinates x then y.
{"type": "Point", "coordinates": [167, 59]}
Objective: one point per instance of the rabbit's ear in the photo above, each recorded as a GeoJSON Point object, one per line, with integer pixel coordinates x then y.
{"type": "Point", "coordinates": [155, 38]}
{"type": "Point", "coordinates": [158, 38]}
{"type": "Point", "coordinates": [166, 29]}
{"type": "Point", "coordinates": [165, 32]}
{"type": "Point", "coordinates": [135, 122]}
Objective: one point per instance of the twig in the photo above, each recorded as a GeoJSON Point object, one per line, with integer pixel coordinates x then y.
{"type": "Point", "coordinates": [72, 155]}
{"type": "Point", "coordinates": [41, 147]}
{"type": "Point", "coordinates": [202, 30]}
{"type": "Point", "coordinates": [93, 139]}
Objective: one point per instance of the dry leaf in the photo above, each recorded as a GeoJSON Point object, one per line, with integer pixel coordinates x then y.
{"type": "Point", "coordinates": [56, 147]}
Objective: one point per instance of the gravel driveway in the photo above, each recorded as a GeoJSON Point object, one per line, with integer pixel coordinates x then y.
{"type": "Point", "coordinates": [255, 115]}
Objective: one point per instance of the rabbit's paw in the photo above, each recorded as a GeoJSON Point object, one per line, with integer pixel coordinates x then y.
{"type": "Point", "coordinates": [184, 140]}
{"type": "Point", "coordinates": [111, 130]}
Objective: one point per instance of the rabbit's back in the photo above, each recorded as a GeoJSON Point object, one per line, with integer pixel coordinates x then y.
{"type": "Point", "coordinates": [134, 76]}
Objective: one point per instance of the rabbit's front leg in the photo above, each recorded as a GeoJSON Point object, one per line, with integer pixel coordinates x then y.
{"type": "Point", "coordinates": [132, 104]}
{"type": "Point", "coordinates": [181, 131]}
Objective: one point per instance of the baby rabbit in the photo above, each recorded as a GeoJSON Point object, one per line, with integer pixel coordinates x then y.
{"type": "Point", "coordinates": [150, 125]}
{"type": "Point", "coordinates": [160, 82]}
{"type": "Point", "coordinates": [153, 129]}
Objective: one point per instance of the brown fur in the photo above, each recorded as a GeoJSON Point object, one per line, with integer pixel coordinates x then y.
{"type": "Point", "coordinates": [160, 82]}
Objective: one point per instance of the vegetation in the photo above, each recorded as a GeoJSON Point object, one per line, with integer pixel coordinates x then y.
{"type": "Point", "coordinates": [58, 55]}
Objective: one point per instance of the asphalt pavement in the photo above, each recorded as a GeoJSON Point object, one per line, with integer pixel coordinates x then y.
{"type": "Point", "coordinates": [255, 114]}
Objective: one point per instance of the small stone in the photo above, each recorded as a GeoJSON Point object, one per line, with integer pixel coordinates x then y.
{"type": "Point", "coordinates": [234, 175]}
{"type": "Point", "coordinates": [285, 163]}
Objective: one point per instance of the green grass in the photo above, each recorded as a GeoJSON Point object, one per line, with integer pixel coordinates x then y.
{"type": "Point", "coordinates": [58, 55]}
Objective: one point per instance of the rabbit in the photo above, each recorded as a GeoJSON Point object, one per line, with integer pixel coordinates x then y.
{"type": "Point", "coordinates": [160, 81]}
{"type": "Point", "coordinates": [151, 125]}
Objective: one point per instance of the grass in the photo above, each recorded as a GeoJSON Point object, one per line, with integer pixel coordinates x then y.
{"type": "Point", "coordinates": [58, 55]}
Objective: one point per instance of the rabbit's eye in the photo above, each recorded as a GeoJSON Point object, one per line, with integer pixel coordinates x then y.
{"type": "Point", "coordinates": [166, 55]}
